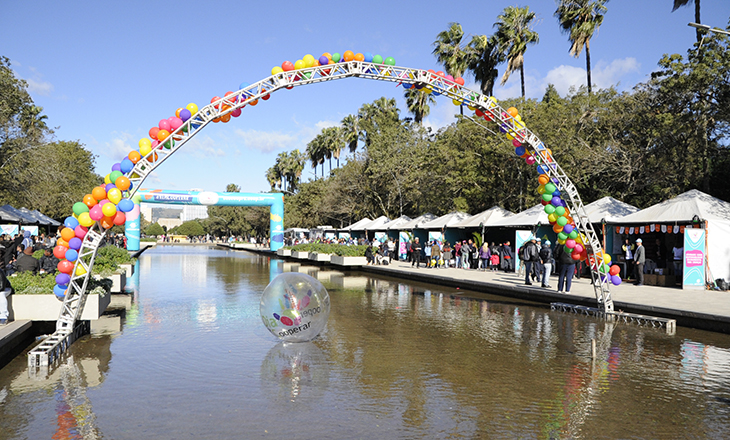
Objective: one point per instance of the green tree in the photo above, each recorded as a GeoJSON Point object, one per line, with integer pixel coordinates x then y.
{"type": "Point", "coordinates": [513, 36]}
{"type": "Point", "coordinates": [418, 103]}
{"type": "Point", "coordinates": [483, 62]}
{"type": "Point", "coordinates": [154, 229]}
{"type": "Point", "coordinates": [580, 19]}
{"type": "Point", "coordinates": [190, 228]}
{"type": "Point", "coordinates": [351, 131]}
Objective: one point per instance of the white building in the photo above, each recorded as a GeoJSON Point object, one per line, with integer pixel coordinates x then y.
{"type": "Point", "coordinates": [192, 212]}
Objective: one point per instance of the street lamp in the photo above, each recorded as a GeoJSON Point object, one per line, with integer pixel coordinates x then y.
{"type": "Point", "coordinates": [708, 28]}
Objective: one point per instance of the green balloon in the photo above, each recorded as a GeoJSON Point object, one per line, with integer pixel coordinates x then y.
{"type": "Point", "coordinates": [550, 188]}
{"type": "Point", "coordinates": [336, 57]}
{"type": "Point", "coordinates": [573, 234]}
{"type": "Point", "coordinates": [568, 250]}
{"type": "Point", "coordinates": [560, 210]}
{"type": "Point", "coordinates": [549, 209]}
{"type": "Point", "coordinates": [562, 235]}
{"type": "Point", "coordinates": [562, 221]}
{"type": "Point", "coordinates": [390, 61]}
{"type": "Point", "coordinates": [115, 175]}
{"type": "Point", "coordinates": [377, 59]}
{"type": "Point", "coordinates": [547, 197]}
{"type": "Point", "coordinates": [80, 207]}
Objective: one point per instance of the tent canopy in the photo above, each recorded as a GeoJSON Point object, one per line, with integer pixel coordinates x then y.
{"type": "Point", "coordinates": [485, 218]}
{"type": "Point", "coordinates": [608, 209]}
{"type": "Point", "coordinates": [417, 222]}
{"type": "Point", "coordinates": [397, 223]}
{"type": "Point", "coordinates": [8, 215]}
{"type": "Point", "coordinates": [35, 215]}
{"type": "Point", "coordinates": [375, 225]}
{"type": "Point", "coordinates": [357, 224]}
{"type": "Point", "coordinates": [682, 208]}
{"type": "Point", "coordinates": [529, 217]}
{"type": "Point", "coordinates": [446, 220]}
{"type": "Point", "coordinates": [51, 221]}
{"type": "Point", "coordinates": [25, 219]}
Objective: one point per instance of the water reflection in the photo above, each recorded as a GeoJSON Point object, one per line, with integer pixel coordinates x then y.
{"type": "Point", "coordinates": [295, 371]}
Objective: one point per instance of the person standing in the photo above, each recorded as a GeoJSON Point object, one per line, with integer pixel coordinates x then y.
{"type": "Point", "coordinates": [678, 254]}
{"type": "Point", "coordinates": [640, 259]}
{"type": "Point", "coordinates": [508, 257]}
{"type": "Point", "coordinates": [5, 291]}
{"type": "Point", "coordinates": [416, 253]}
{"type": "Point", "coordinates": [391, 250]}
{"type": "Point", "coordinates": [427, 252]}
{"type": "Point", "coordinates": [436, 254]}
{"type": "Point", "coordinates": [532, 255]}
{"type": "Point", "coordinates": [628, 250]}
{"type": "Point", "coordinates": [485, 255]}
{"type": "Point", "coordinates": [546, 256]}
{"type": "Point", "coordinates": [465, 251]}
{"type": "Point", "coordinates": [567, 269]}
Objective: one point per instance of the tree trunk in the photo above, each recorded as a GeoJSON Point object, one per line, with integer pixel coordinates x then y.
{"type": "Point", "coordinates": [697, 20]}
{"type": "Point", "coordinates": [588, 65]}
{"type": "Point", "coordinates": [522, 80]}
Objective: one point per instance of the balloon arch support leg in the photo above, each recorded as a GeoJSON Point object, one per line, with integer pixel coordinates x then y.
{"type": "Point", "coordinates": [275, 201]}
{"type": "Point", "coordinates": [188, 121]}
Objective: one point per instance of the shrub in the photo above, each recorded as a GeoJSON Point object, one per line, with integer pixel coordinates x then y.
{"type": "Point", "coordinates": [324, 248]}
{"type": "Point", "coordinates": [28, 283]}
{"type": "Point", "coordinates": [38, 254]}
{"type": "Point", "coordinates": [149, 239]}
{"type": "Point", "coordinates": [109, 258]}
{"type": "Point", "coordinates": [351, 251]}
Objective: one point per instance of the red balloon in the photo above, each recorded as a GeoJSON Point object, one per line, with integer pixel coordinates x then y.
{"type": "Point", "coordinates": [575, 256]}
{"type": "Point", "coordinates": [65, 266]}
{"type": "Point", "coordinates": [459, 81]}
{"type": "Point", "coordinates": [287, 66]}
{"type": "Point", "coordinates": [60, 252]}
{"type": "Point", "coordinates": [119, 218]}
{"type": "Point", "coordinates": [615, 269]}
{"type": "Point", "coordinates": [153, 132]}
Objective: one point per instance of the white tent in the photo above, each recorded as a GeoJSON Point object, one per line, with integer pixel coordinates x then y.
{"type": "Point", "coordinates": [446, 220]}
{"type": "Point", "coordinates": [395, 225]}
{"type": "Point", "coordinates": [416, 222]}
{"type": "Point", "coordinates": [485, 218]}
{"type": "Point", "coordinates": [357, 224]}
{"type": "Point", "coordinates": [608, 209]}
{"type": "Point", "coordinates": [529, 218]}
{"type": "Point", "coordinates": [375, 225]}
{"type": "Point", "coordinates": [684, 210]}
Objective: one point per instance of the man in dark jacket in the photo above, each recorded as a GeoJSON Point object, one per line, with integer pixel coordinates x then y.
{"type": "Point", "coordinates": [26, 262]}
{"type": "Point", "coordinates": [48, 262]}
{"type": "Point", "coordinates": [508, 257]}
{"type": "Point", "coordinates": [416, 251]}
{"type": "Point", "coordinates": [546, 256]}
{"type": "Point", "coordinates": [532, 255]}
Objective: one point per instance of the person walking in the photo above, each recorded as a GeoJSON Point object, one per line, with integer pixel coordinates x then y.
{"type": "Point", "coordinates": [436, 254]}
{"type": "Point", "coordinates": [546, 256]}
{"type": "Point", "coordinates": [416, 253]}
{"type": "Point", "coordinates": [465, 251]}
{"type": "Point", "coordinates": [485, 255]}
{"type": "Point", "coordinates": [530, 255]}
{"type": "Point", "coordinates": [567, 269]}
{"type": "Point", "coordinates": [639, 259]}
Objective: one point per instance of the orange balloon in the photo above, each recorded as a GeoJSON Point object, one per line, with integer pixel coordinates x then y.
{"type": "Point", "coordinates": [557, 228]}
{"type": "Point", "coordinates": [348, 55]}
{"type": "Point", "coordinates": [254, 102]}
{"type": "Point", "coordinates": [62, 242]}
{"type": "Point", "coordinates": [106, 222]}
{"type": "Point", "coordinates": [162, 135]}
{"type": "Point", "coordinates": [177, 112]}
{"type": "Point", "coordinates": [122, 183]}
{"type": "Point", "coordinates": [89, 200]}
{"type": "Point", "coordinates": [134, 156]}
{"type": "Point", "coordinates": [328, 55]}
{"type": "Point", "coordinates": [543, 179]}
{"type": "Point", "coordinates": [67, 234]}
{"type": "Point", "coordinates": [226, 118]}
{"type": "Point", "coordinates": [99, 193]}
{"type": "Point", "coordinates": [216, 120]}
{"type": "Point", "coordinates": [512, 111]}
{"type": "Point", "coordinates": [359, 57]}
{"type": "Point", "coordinates": [152, 158]}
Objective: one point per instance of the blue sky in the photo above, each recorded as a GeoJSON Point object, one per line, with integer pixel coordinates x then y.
{"type": "Point", "coordinates": [106, 72]}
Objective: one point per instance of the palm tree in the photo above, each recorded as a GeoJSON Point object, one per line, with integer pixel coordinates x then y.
{"type": "Point", "coordinates": [483, 61]}
{"type": "Point", "coordinates": [450, 53]}
{"type": "Point", "coordinates": [580, 19]}
{"type": "Point", "coordinates": [512, 37]}
{"type": "Point", "coordinates": [679, 3]}
{"type": "Point", "coordinates": [382, 110]}
{"type": "Point", "coordinates": [316, 153]}
{"type": "Point", "coordinates": [273, 177]}
{"type": "Point", "coordinates": [333, 140]}
{"type": "Point", "coordinates": [296, 166]}
{"type": "Point", "coordinates": [418, 103]}
{"type": "Point", "coordinates": [351, 131]}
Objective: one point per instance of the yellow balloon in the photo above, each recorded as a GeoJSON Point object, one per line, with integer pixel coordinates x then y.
{"type": "Point", "coordinates": [85, 219]}
{"type": "Point", "coordinates": [309, 60]}
{"type": "Point", "coordinates": [510, 137]}
{"type": "Point", "coordinates": [144, 142]}
{"type": "Point", "coordinates": [541, 189]}
{"type": "Point", "coordinates": [109, 209]}
{"type": "Point", "coordinates": [192, 107]}
{"type": "Point", "coordinates": [107, 179]}
{"type": "Point", "coordinates": [114, 195]}
{"type": "Point", "coordinates": [561, 241]}
{"type": "Point", "coordinates": [456, 101]}
{"type": "Point", "coordinates": [80, 270]}
{"type": "Point", "coordinates": [607, 259]}
{"type": "Point", "coordinates": [299, 64]}
{"type": "Point", "coordinates": [144, 151]}
{"type": "Point", "coordinates": [470, 107]}
{"type": "Point", "coordinates": [552, 217]}
{"type": "Point", "coordinates": [276, 70]}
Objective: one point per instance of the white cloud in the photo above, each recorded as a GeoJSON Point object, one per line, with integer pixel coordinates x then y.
{"type": "Point", "coordinates": [43, 88]}
{"type": "Point", "coordinates": [266, 142]}
{"type": "Point", "coordinates": [203, 146]}
{"type": "Point", "coordinates": [119, 147]}
{"type": "Point", "coordinates": [603, 75]}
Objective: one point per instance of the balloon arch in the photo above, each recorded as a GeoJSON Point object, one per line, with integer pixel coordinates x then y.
{"type": "Point", "coordinates": [117, 199]}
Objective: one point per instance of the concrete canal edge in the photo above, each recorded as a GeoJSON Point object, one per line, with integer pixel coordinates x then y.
{"type": "Point", "coordinates": [684, 318]}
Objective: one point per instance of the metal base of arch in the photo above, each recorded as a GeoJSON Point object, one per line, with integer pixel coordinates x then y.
{"type": "Point", "coordinates": [670, 325]}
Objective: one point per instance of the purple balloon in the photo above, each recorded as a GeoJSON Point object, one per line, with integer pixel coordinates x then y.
{"type": "Point", "coordinates": [63, 278]}
{"type": "Point", "coordinates": [323, 60]}
{"type": "Point", "coordinates": [75, 244]}
{"type": "Point", "coordinates": [117, 167]}
{"type": "Point", "coordinates": [567, 228]}
{"type": "Point", "coordinates": [555, 180]}
{"type": "Point", "coordinates": [556, 201]}
{"type": "Point", "coordinates": [185, 114]}
{"type": "Point", "coordinates": [615, 280]}
{"type": "Point", "coordinates": [109, 186]}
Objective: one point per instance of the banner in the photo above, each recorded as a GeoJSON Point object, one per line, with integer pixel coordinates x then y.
{"type": "Point", "coordinates": [9, 229]}
{"type": "Point", "coordinates": [520, 239]}
{"type": "Point", "coordinates": [693, 275]}
{"type": "Point", "coordinates": [436, 236]}
{"type": "Point", "coordinates": [381, 237]}
{"type": "Point", "coordinates": [402, 245]}
{"type": "Point", "coordinates": [345, 235]}
{"type": "Point", "coordinates": [330, 235]}
{"type": "Point", "coordinates": [33, 229]}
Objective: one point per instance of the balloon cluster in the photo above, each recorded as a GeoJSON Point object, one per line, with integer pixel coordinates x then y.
{"type": "Point", "coordinates": [326, 59]}
{"type": "Point", "coordinates": [433, 84]}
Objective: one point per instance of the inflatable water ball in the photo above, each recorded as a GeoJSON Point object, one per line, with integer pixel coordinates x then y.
{"type": "Point", "coordinates": [295, 307]}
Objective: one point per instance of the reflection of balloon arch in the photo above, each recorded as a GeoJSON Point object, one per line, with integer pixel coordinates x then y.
{"type": "Point", "coordinates": [107, 205]}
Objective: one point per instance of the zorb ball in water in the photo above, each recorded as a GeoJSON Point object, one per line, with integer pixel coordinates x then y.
{"type": "Point", "coordinates": [295, 307]}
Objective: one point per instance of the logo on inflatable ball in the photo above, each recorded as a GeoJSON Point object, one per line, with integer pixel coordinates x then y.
{"type": "Point", "coordinates": [295, 307]}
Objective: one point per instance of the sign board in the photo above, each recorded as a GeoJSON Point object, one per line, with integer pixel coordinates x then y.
{"type": "Point", "coordinates": [520, 238]}
{"type": "Point", "coordinates": [693, 275]}
{"type": "Point", "coordinates": [436, 236]}
{"type": "Point", "coordinates": [402, 245]}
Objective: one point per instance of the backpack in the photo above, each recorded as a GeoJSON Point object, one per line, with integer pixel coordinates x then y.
{"type": "Point", "coordinates": [522, 253]}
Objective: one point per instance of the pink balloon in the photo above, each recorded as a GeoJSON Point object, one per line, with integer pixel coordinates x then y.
{"type": "Point", "coordinates": [516, 143]}
{"type": "Point", "coordinates": [175, 123]}
{"type": "Point", "coordinates": [578, 247]}
{"type": "Point", "coordinates": [164, 125]}
{"type": "Point", "coordinates": [570, 243]}
{"type": "Point", "coordinates": [155, 144]}
{"type": "Point", "coordinates": [96, 213]}
{"type": "Point", "coordinates": [236, 113]}
{"type": "Point", "coordinates": [530, 160]}
{"type": "Point", "coordinates": [80, 231]}
{"type": "Point", "coordinates": [449, 77]}
{"type": "Point", "coordinates": [103, 202]}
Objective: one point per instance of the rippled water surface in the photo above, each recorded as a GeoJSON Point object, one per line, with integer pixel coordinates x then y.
{"type": "Point", "coordinates": [192, 360]}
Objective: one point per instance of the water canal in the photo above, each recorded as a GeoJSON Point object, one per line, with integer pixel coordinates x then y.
{"type": "Point", "coordinates": [398, 360]}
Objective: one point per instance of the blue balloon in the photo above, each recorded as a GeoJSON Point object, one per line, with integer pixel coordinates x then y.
{"type": "Point", "coordinates": [542, 169]}
{"type": "Point", "coordinates": [368, 57]}
{"type": "Point", "coordinates": [125, 205]}
{"type": "Point", "coordinates": [241, 87]}
{"type": "Point", "coordinates": [63, 278]}
{"type": "Point", "coordinates": [520, 151]}
{"type": "Point", "coordinates": [71, 255]}
{"type": "Point", "coordinates": [60, 290]}
{"type": "Point", "coordinates": [407, 86]}
{"type": "Point", "coordinates": [127, 165]}
{"type": "Point", "coordinates": [70, 222]}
